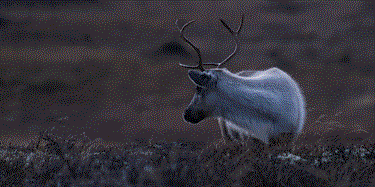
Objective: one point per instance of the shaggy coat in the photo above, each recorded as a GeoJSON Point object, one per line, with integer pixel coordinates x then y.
{"type": "Point", "coordinates": [266, 105]}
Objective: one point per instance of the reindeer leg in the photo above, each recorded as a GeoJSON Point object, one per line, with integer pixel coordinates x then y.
{"type": "Point", "coordinates": [224, 130]}
{"type": "Point", "coordinates": [244, 138]}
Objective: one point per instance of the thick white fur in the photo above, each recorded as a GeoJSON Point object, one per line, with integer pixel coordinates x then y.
{"type": "Point", "coordinates": [260, 104]}
{"type": "Point", "coordinates": [265, 105]}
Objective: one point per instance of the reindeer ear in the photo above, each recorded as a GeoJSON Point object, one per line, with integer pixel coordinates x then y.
{"type": "Point", "coordinates": [200, 78]}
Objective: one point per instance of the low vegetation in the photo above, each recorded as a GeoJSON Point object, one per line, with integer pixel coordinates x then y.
{"type": "Point", "coordinates": [53, 161]}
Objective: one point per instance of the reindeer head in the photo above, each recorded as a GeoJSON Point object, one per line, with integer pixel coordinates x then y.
{"type": "Point", "coordinates": [206, 98]}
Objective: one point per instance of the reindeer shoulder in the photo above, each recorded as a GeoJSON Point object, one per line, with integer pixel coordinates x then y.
{"type": "Point", "coordinates": [247, 73]}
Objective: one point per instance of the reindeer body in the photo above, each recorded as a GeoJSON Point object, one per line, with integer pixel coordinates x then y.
{"type": "Point", "coordinates": [267, 105]}
{"type": "Point", "coordinates": [272, 105]}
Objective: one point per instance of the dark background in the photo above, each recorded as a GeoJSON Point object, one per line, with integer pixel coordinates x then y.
{"type": "Point", "coordinates": [110, 69]}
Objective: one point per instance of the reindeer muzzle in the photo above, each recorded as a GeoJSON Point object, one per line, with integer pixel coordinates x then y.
{"type": "Point", "coordinates": [194, 116]}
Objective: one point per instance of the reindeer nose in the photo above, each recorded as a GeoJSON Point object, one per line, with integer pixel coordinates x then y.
{"type": "Point", "coordinates": [194, 116]}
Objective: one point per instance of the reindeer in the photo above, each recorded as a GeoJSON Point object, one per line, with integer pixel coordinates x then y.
{"type": "Point", "coordinates": [265, 105]}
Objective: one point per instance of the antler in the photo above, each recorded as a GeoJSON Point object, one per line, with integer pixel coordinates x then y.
{"type": "Point", "coordinates": [200, 64]}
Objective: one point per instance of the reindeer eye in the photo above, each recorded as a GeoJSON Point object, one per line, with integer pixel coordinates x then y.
{"type": "Point", "coordinates": [199, 89]}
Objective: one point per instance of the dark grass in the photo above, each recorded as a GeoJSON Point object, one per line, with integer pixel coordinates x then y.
{"type": "Point", "coordinates": [72, 163]}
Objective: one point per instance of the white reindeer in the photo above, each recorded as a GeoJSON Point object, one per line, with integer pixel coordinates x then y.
{"type": "Point", "coordinates": [266, 105]}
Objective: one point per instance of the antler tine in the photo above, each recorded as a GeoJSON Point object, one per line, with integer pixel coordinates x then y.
{"type": "Point", "coordinates": [226, 26]}
{"type": "Point", "coordinates": [240, 27]}
{"type": "Point", "coordinates": [200, 65]}
{"type": "Point", "coordinates": [233, 34]}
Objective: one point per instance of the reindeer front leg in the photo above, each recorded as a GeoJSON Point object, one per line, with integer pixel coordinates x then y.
{"type": "Point", "coordinates": [224, 131]}
{"type": "Point", "coordinates": [232, 135]}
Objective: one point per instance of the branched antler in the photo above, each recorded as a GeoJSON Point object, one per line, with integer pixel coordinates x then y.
{"type": "Point", "coordinates": [200, 64]}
